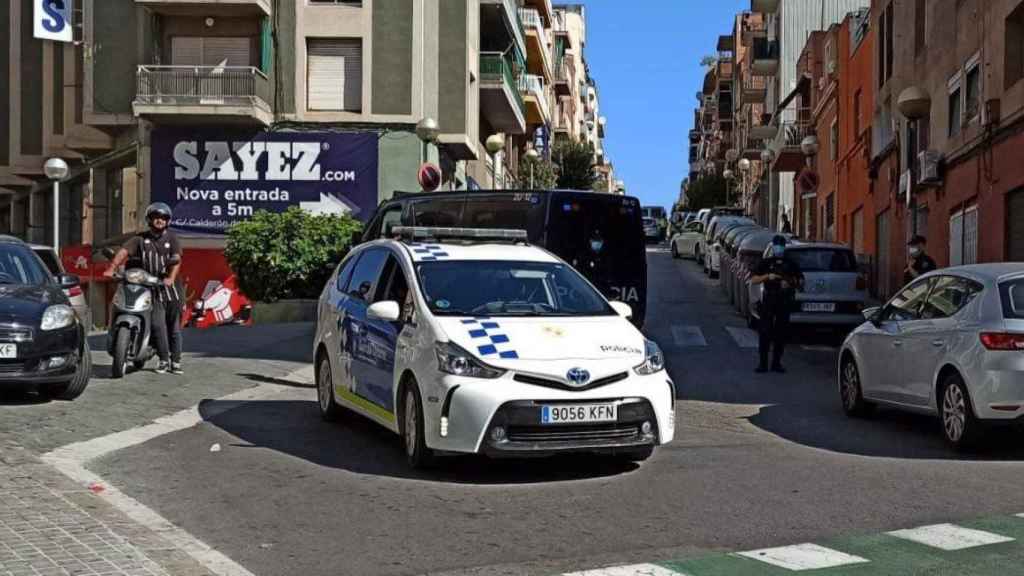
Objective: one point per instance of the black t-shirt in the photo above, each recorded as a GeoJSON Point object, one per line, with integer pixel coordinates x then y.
{"type": "Point", "coordinates": [922, 264]}
{"type": "Point", "coordinates": [774, 292]}
{"type": "Point", "coordinates": [152, 253]}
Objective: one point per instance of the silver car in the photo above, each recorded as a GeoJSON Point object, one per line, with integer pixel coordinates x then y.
{"type": "Point", "coordinates": [75, 295]}
{"type": "Point", "coordinates": [950, 344]}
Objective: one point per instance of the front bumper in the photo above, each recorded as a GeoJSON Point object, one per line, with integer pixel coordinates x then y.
{"type": "Point", "coordinates": [32, 366]}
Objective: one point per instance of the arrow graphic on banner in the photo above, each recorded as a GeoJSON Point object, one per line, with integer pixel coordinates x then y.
{"type": "Point", "coordinates": [330, 204]}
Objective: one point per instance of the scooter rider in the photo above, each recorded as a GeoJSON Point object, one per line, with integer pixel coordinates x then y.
{"type": "Point", "coordinates": [781, 279]}
{"type": "Point", "coordinates": [155, 249]}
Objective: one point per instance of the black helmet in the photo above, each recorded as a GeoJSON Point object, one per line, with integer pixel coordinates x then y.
{"type": "Point", "coordinates": [158, 209]}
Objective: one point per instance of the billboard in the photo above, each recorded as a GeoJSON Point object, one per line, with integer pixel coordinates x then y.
{"type": "Point", "coordinates": [51, 20]}
{"type": "Point", "coordinates": [212, 178]}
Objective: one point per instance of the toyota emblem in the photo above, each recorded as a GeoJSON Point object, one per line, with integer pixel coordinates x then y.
{"type": "Point", "coordinates": [578, 376]}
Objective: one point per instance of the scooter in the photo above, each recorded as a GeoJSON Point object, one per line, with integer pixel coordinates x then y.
{"type": "Point", "coordinates": [129, 336]}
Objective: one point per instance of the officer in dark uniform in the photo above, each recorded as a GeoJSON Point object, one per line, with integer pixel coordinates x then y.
{"type": "Point", "coordinates": [918, 262]}
{"type": "Point", "coordinates": [158, 252]}
{"type": "Point", "coordinates": [781, 279]}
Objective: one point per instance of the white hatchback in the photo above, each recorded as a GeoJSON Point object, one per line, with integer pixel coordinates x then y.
{"type": "Point", "coordinates": [471, 341]}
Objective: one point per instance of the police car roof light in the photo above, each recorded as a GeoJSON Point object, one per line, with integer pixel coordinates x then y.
{"type": "Point", "coordinates": [427, 232]}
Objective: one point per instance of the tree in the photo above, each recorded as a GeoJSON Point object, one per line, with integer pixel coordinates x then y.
{"type": "Point", "coordinates": [706, 191]}
{"type": "Point", "coordinates": [708, 61]}
{"type": "Point", "coordinates": [544, 177]}
{"type": "Point", "coordinates": [575, 162]}
{"type": "Point", "coordinates": [287, 255]}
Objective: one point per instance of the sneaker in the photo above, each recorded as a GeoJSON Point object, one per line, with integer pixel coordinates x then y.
{"type": "Point", "coordinates": [176, 368]}
{"type": "Point", "coordinates": [162, 368]}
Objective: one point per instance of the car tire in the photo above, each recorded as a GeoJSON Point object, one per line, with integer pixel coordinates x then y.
{"type": "Point", "coordinates": [330, 411]}
{"type": "Point", "coordinates": [675, 251]}
{"type": "Point", "coordinates": [850, 392]}
{"type": "Point", "coordinates": [637, 455]}
{"type": "Point", "coordinates": [960, 427]}
{"type": "Point", "coordinates": [74, 388]}
{"type": "Point", "coordinates": [121, 341]}
{"type": "Point", "coordinates": [696, 253]}
{"type": "Point", "coordinates": [414, 442]}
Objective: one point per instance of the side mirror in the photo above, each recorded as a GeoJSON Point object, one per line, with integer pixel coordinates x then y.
{"type": "Point", "coordinates": [68, 281]}
{"type": "Point", "coordinates": [622, 309]}
{"type": "Point", "coordinates": [872, 314]}
{"type": "Point", "coordinates": [387, 311]}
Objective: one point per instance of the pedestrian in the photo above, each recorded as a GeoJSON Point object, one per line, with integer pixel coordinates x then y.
{"type": "Point", "coordinates": [781, 279]}
{"type": "Point", "coordinates": [159, 252]}
{"type": "Point", "coordinates": [787, 228]}
{"type": "Point", "coordinates": [918, 261]}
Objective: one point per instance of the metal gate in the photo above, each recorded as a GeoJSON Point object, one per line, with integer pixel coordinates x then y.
{"type": "Point", "coordinates": [1015, 226]}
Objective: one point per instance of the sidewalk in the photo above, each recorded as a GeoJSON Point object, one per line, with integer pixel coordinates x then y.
{"type": "Point", "coordinates": [51, 526]}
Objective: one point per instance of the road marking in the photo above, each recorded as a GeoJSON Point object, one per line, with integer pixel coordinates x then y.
{"type": "Point", "coordinates": [744, 337]}
{"type": "Point", "coordinates": [949, 536]}
{"type": "Point", "coordinates": [633, 570]}
{"type": "Point", "coordinates": [803, 557]}
{"type": "Point", "coordinates": [71, 460]}
{"type": "Point", "coordinates": [688, 336]}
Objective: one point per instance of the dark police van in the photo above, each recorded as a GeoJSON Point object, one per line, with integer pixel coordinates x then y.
{"type": "Point", "coordinates": [601, 235]}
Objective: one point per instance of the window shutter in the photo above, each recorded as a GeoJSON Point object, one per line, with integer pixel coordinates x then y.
{"type": "Point", "coordinates": [227, 51]}
{"type": "Point", "coordinates": [186, 51]}
{"type": "Point", "coordinates": [335, 73]}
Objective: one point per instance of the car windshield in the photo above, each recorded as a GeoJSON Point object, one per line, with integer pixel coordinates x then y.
{"type": "Point", "coordinates": [649, 221]}
{"type": "Point", "coordinates": [1012, 295]}
{"type": "Point", "coordinates": [18, 265]}
{"type": "Point", "coordinates": [49, 259]}
{"type": "Point", "coordinates": [508, 288]}
{"type": "Point", "coordinates": [823, 260]}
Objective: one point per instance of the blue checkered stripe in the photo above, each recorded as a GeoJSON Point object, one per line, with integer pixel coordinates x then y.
{"type": "Point", "coordinates": [428, 252]}
{"type": "Point", "coordinates": [489, 340]}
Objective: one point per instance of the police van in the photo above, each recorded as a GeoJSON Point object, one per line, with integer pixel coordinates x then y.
{"type": "Point", "coordinates": [600, 235]}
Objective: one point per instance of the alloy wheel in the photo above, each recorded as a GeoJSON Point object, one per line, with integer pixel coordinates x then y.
{"type": "Point", "coordinates": [410, 422]}
{"type": "Point", "coordinates": [851, 385]}
{"type": "Point", "coordinates": [323, 387]}
{"type": "Point", "coordinates": [954, 412]}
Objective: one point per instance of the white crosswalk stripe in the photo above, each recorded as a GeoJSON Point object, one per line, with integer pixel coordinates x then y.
{"type": "Point", "coordinates": [950, 536]}
{"type": "Point", "coordinates": [744, 337]}
{"type": "Point", "coordinates": [803, 557]}
{"type": "Point", "coordinates": [633, 570]}
{"type": "Point", "coordinates": [687, 336]}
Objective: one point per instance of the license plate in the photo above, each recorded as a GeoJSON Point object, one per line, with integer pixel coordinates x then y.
{"type": "Point", "coordinates": [578, 413]}
{"type": "Point", "coordinates": [819, 307]}
{"type": "Point", "coordinates": [8, 350]}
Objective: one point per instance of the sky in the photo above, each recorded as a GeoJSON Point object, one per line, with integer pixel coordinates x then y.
{"type": "Point", "coordinates": [645, 57]}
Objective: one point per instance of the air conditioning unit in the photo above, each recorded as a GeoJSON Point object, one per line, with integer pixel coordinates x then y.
{"type": "Point", "coordinates": [930, 166]}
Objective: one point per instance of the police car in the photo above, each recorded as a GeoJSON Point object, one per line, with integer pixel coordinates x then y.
{"type": "Point", "coordinates": [473, 341]}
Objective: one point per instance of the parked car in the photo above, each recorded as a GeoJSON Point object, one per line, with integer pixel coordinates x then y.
{"type": "Point", "coordinates": [727, 275]}
{"type": "Point", "coordinates": [751, 251]}
{"type": "Point", "coordinates": [43, 345]}
{"type": "Point", "coordinates": [834, 292]}
{"type": "Point", "coordinates": [75, 294]}
{"type": "Point", "coordinates": [712, 251]}
{"type": "Point", "coordinates": [652, 233]}
{"type": "Point", "coordinates": [950, 344]}
{"type": "Point", "coordinates": [686, 243]}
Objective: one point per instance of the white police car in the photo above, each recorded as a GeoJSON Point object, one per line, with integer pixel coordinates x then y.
{"type": "Point", "coordinates": [472, 341]}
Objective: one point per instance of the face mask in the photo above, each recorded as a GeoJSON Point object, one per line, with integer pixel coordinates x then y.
{"type": "Point", "coordinates": [915, 251]}
{"type": "Point", "coordinates": [778, 251]}
{"type": "Point", "coordinates": [596, 245]}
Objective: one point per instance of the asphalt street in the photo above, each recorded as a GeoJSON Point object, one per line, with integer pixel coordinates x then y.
{"type": "Point", "coordinates": [759, 460]}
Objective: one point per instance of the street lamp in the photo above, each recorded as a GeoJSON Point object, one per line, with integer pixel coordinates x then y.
{"type": "Point", "coordinates": [427, 131]}
{"type": "Point", "coordinates": [809, 146]}
{"type": "Point", "coordinates": [914, 104]}
{"type": "Point", "coordinates": [56, 169]}
{"type": "Point", "coordinates": [728, 175]}
{"type": "Point", "coordinates": [532, 156]}
{"type": "Point", "coordinates": [744, 166]}
{"type": "Point", "coordinates": [495, 143]}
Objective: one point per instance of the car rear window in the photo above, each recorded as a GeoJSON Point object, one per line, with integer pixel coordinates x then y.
{"type": "Point", "coordinates": [516, 211]}
{"type": "Point", "coordinates": [1012, 293]}
{"type": "Point", "coordinates": [46, 255]}
{"type": "Point", "coordinates": [823, 260]}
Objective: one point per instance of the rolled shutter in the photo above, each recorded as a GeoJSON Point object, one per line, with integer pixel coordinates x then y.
{"type": "Point", "coordinates": [235, 51]}
{"type": "Point", "coordinates": [335, 74]}
{"type": "Point", "coordinates": [186, 51]}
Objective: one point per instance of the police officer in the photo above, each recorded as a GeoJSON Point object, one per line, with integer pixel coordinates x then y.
{"type": "Point", "coordinates": [918, 262]}
{"type": "Point", "coordinates": [159, 252]}
{"type": "Point", "coordinates": [781, 279]}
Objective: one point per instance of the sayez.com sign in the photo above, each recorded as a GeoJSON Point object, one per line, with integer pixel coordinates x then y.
{"type": "Point", "coordinates": [212, 183]}
{"type": "Point", "coordinates": [52, 20]}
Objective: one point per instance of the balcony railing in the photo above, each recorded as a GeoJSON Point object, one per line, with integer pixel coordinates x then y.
{"type": "Point", "coordinates": [765, 55]}
{"type": "Point", "coordinates": [794, 125]}
{"type": "Point", "coordinates": [532, 20]}
{"type": "Point", "coordinates": [532, 85]}
{"type": "Point", "coordinates": [495, 69]}
{"type": "Point", "coordinates": [202, 86]}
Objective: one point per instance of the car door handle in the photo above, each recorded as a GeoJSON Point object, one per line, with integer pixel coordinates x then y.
{"type": "Point", "coordinates": [938, 343]}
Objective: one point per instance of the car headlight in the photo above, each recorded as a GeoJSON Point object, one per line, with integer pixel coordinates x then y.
{"type": "Point", "coordinates": [57, 316]}
{"type": "Point", "coordinates": [654, 362]}
{"type": "Point", "coordinates": [454, 360]}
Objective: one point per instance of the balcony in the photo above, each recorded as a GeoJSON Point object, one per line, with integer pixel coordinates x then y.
{"type": "Point", "coordinates": [794, 126]}
{"type": "Point", "coordinates": [764, 6]}
{"type": "Point", "coordinates": [501, 15]}
{"type": "Point", "coordinates": [755, 89]}
{"type": "Point", "coordinates": [753, 29]}
{"type": "Point", "coordinates": [725, 68]}
{"type": "Point", "coordinates": [196, 93]}
{"type": "Point", "coordinates": [563, 122]}
{"type": "Point", "coordinates": [535, 98]}
{"type": "Point", "coordinates": [765, 57]}
{"type": "Point", "coordinates": [500, 101]}
{"type": "Point", "coordinates": [208, 7]}
{"type": "Point", "coordinates": [563, 77]}
{"type": "Point", "coordinates": [545, 8]}
{"type": "Point", "coordinates": [538, 46]}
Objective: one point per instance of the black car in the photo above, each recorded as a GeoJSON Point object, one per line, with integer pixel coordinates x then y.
{"type": "Point", "coordinates": [600, 235]}
{"type": "Point", "coordinates": [43, 346]}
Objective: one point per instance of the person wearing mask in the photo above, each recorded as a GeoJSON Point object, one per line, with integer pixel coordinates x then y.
{"type": "Point", "coordinates": [159, 252]}
{"type": "Point", "coordinates": [918, 262]}
{"type": "Point", "coordinates": [781, 279]}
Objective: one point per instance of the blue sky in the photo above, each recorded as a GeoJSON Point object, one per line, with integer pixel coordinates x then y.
{"type": "Point", "coordinates": [645, 56]}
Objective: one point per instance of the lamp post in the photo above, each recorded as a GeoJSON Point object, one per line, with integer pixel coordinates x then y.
{"type": "Point", "coordinates": [809, 146]}
{"type": "Point", "coordinates": [728, 175]}
{"type": "Point", "coordinates": [744, 166]}
{"type": "Point", "coordinates": [532, 155]}
{"type": "Point", "coordinates": [495, 143]}
{"type": "Point", "coordinates": [427, 131]}
{"type": "Point", "coordinates": [56, 169]}
{"type": "Point", "coordinates": [914, 104]}
{"type": "Point", "coordinates": [767, 157]}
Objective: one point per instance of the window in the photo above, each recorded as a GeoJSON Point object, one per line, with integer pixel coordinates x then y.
{"type": "Point", "coordinates": [822, 259]}
{"type": "Point", "coordinates": [885, 46]}
{"type": "Point", "coordinates": [920, 25]}
{"type": "Point", "coordinates": [212, 51]}
{"type": "Point", "coordinates": [1014, 57]}
{"type": "Point", "coordinates": [390, 219]}
{"type": "Point", "coordinates": [972, 91]}
{"type": "Point", "coordinates": [950, 295]}
{"type": "Point", "coordinates": [346, 272]}
{"type": "Point", "coordinates": [1011, 293]}
{"type": "Point", "coordinates": [858, 122]}
{"type": "Point", "coordinates": [882, 127]}
{"type": "Point", "coordinates": [963, 237]}
{"type": "Point", "coordinates": [18, 265]}
{"type": "Point", "coordinates": [907, 304]}
{"type": "Point", "coordinates": [833, 140]}
{"type": "Point", "coordinates": [334, 76]}
{"type": "Point", "coordinates": [955, 110]}
{"type": "Point", "coordinates": [393, 287]}
{"type": "Point", "coordinates": [366, 273]}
